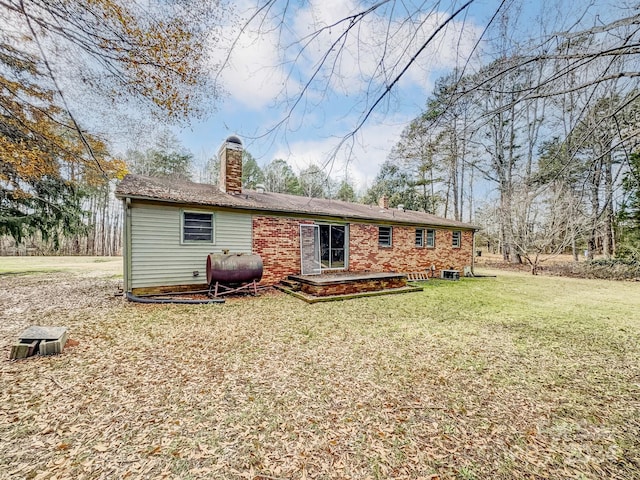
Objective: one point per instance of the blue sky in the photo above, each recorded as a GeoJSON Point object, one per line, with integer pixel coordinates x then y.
{"type": "Point", "coordinates": [262, 76]}
{"type": "Point", "coordinates": [255, 78]}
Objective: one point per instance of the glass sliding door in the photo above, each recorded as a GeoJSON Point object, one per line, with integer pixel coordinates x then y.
{"type": "Point", "coordinates": [333, 251]}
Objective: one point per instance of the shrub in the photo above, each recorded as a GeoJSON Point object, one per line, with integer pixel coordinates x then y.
{"type": "Point", "coordinates": [617, 269]}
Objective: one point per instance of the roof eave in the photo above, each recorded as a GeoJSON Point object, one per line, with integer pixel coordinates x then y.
{"type": "Point", "coordinates": [253, 208]}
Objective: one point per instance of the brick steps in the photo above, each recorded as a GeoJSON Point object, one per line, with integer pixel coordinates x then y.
{"type": "Point", "coordinates": [291, 285]}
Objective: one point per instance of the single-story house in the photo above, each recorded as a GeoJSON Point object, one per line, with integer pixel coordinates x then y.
{"type": "Point", "coordinates": [171, 226]}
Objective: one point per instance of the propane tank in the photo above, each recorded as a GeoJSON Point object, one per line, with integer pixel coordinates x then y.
{"type": "Point", "coordinates": [234, 268]}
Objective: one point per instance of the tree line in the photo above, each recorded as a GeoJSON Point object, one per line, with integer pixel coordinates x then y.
{"type": "Point", "coordinates": [56, 171]}
{"type": "Point", "coordinates": [539, 115]}
{"type": "Point", "coordinates": [549, 130]}
{"type": "Point", "coordinates": [547, 125]}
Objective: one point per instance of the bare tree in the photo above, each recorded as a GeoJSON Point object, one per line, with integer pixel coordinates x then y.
{"type": "Point", "coordinates": [373, 46]}
{"type": "Point", "coordinates": [366, 46]}
{"type": "Point", "coordinates": [544, 220]}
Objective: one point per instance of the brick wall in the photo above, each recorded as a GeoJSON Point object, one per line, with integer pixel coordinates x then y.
{"type": "Point", "coordinates": [354, 287]}
{"type": "Point", "coordinates": [231, 170]}
{"type": "Point", "coordinates": [403, 256]}
{"type": "Point", "coordinates": [277, 241]}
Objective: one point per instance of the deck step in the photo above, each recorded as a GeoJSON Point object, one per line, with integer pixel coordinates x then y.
{"type": "Point", "coordinates": [291, 284]}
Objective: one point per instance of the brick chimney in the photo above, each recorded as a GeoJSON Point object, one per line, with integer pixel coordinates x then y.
{"type": "Point", "coordinates": [383, 202]}
{"type": "Point", "coordinates": [230, 155]}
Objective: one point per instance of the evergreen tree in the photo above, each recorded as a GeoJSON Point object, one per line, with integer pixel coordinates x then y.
{"type": "Point", "coordinates": [251, 173]}
{"type": "Point", "coordinates": [346, 192]}
{"type": "Point", "coordinates": [279, 177]}
{"type": "Point", "coordinates": [44, 163]}
{"type": "Point", "coordinates": [398, 186]}
{"type": "Point", "coordinates": [629, 216]}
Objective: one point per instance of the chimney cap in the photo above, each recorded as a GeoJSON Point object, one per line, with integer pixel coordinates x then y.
{"type": "Point", "coordinates": [234, 139]}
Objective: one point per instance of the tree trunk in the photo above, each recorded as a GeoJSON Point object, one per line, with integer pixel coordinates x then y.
{"type": "Point", "coordinates": [607, 241]}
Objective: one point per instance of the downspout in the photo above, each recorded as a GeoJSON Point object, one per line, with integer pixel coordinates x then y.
{"type": "Point", "coordinates": [473, 252]}
{"type": "Point", "coordinates": [127, 245]}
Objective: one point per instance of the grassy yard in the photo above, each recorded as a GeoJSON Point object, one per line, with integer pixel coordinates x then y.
{"type": "Point", "coordinates": [496, 378]}
{"type": "Point", "coordinates": [33, 265]}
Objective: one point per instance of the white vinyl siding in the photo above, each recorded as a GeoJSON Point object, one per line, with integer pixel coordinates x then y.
{"type": "Point", "coordinates": [160, 258]}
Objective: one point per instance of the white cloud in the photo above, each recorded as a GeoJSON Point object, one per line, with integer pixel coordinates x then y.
{"type": "Point", "coordinates": [361, 159]}
{"type": "Point", "coordinates": [260, 70]}
{"type": "Point", "coordinates": [376, 50]}
{"type": "Point", "coordinates": [333, 105]}
{"type": "Point", "coordinates": [253, 74]}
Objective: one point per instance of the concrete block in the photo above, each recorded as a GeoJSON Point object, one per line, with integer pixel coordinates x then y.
{"type": "Point", "coordinates": [53, 347]}
{"type": "Point", "coordinates": [37, 332]}
{"type": "Point", "coordinates": [50, 347]}
{"type": "Point", "coordinates": [19, 350]}
{"type": "Point", "coordinates": [33, 347]}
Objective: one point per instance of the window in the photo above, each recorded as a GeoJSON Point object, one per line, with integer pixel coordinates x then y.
{"type": "Point", "coordinates": [384, 236]}
{"type": "Point", "coordinates": [431, 238]}
{"type": "Point", "coordinates": [197, 227]}
{"type": "Point", "coordinates": [419, 237]}
{"type": "Point", "coordinates": [456, 238]}
{"type": "Point", "coordinates": [333, 240]}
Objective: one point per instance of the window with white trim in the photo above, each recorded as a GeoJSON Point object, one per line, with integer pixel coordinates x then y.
{"type": "Point", "coordinates": [419, 237]}
{"type": "Point", "coordinates": [456, 239]}
{"type": "Point", "coordinates": [197, 227]}
{"type": "Point", "coordinates": [385, 236]}
{"type": "Point", "coordinates": [431, 238]}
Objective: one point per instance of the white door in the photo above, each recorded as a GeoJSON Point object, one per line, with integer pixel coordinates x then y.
{"type": "Point", "coordinates": [310, 249]}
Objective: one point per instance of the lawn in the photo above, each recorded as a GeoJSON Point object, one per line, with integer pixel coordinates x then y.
{"type": "Point", "coordinates": [495, 378]}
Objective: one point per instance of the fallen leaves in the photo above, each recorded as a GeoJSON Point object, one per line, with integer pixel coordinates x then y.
{"type": "Point", "coordinates": [269, 388]}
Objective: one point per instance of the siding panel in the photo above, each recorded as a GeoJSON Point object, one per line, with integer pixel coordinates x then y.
{"type": "Point", "coordinates": [158, 257]}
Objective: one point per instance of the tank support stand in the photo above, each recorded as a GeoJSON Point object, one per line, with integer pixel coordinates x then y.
{"type": "Point", "coordinates": [220, 289]}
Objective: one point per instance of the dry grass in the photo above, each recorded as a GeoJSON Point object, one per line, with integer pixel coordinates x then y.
{"type": "Point", "coordinates": [34, 265]}
{"type": "Point", "coordinates": [564, 266]}
{"type": "Point", "coordinates": [513, 377]}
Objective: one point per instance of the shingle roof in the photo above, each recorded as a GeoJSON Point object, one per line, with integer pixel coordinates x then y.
{"type": "Point", "coordinates": [185, 192]}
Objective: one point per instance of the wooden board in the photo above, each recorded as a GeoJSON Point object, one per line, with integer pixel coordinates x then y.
{"type": "Point", "coordinates": [412, 276]}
